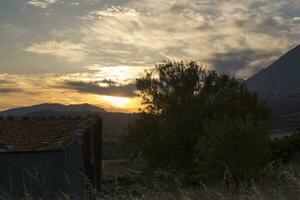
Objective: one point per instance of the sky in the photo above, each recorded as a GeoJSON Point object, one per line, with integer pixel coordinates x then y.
{"type": "Point", "coordinates": [91, 51]}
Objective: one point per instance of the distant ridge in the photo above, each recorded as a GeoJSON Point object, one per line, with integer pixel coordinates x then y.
{"type": "Point", "coordinates": [279, 85]}
{"type": "Point", "coordinates": [47, 108]}
{"type": "Point", "coordinates": [280, 78]}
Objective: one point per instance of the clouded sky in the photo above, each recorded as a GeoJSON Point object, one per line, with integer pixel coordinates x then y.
{"type": "Point", "coordinates": [75, 51]}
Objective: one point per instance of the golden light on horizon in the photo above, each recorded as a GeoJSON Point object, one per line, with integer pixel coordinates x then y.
{"type": "Point", "coordinates": [120, 74]}
{"type": "Point", "coordinates": [118, 102]}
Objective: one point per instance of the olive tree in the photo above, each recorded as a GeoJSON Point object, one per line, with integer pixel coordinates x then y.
{"type": "Point", "coordinates": [181, 105]}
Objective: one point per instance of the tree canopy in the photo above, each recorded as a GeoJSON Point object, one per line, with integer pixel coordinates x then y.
{"type": "Point", "coordinates": [184, 107]}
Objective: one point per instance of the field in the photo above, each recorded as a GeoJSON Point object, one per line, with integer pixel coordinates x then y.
{"type": "Point", "coordinates": [277, 183]}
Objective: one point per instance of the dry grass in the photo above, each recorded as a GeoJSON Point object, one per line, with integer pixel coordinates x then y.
{"type": "Point", "coordinates": [282, 183]}
{"type": "Point", "coordinates": [277, 184]}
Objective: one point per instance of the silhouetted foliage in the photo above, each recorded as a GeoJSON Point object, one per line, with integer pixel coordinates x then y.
{"type": "Point", "coordinates": [181, 101]}
{"type": "Point", "coordinates": [286, 149]}
{"type": "Point", "coordinates": [235, 146]}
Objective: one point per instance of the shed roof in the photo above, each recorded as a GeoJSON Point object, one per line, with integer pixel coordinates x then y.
{"type": "Point", "coordinates": [39, 133]}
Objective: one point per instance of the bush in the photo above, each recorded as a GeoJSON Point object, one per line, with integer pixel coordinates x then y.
{"type": "Point", "coordinates": [238, 147]}
{"type": "Point", "coordinates": [286, 149]}
{"type": "Point", "coordinates": [178, 101]}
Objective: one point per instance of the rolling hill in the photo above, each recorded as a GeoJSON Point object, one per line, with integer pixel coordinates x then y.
{"type": "Point", "coordinates": [51, 109]}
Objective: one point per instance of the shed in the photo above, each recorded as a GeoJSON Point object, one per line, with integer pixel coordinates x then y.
{"type": "Point", "coordinates": [47, 157]}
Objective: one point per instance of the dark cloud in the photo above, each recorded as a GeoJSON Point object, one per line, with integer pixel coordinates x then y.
{"type": "Point", "coordinates": [260, 22]}
{"type": "Point", "coordinates": [108, 81]}
{"type": "Point", "coordinates": [206, 26]}
{"type": "Point", "coordinates": [272, 26]}
{"type": "Point", "coordinates": [257, 5]}
{"type": "Point", "coordinates": [2, 81]}
{"type": "Point", "coordinates": [94, 88]}
{"type": "Point", "coordinates": [7, 88]}
{"type": "Point", "coordinates": [235, 60]}
{"type": "Point", "coordinates": [10, 90]}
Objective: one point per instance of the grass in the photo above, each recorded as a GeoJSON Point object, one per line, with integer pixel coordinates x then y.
{"type": "Point", "coordinates": [278, 183]}
{"type": "Point", "coordinates": [282, 183]}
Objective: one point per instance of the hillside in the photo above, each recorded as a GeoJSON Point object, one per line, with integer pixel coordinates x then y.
{"type": "Point", "coordinates": [282, 78]}
{"type": "Point", "coordinates": [279, 85]}
{"type": "Point", "coordinates": [45, 109]}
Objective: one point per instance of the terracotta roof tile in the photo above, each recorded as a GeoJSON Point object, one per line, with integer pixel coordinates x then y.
{"type": "Point", "coordinates": [28, 135]}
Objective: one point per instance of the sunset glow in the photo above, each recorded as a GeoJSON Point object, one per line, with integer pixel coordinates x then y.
{"type": "Point", "coordinates": [119, 102]}
{"type": "Point", "coordinates": [92, 51]}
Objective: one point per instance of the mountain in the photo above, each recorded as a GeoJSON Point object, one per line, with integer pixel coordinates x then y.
{"type": "Point", "coordinates": [279, 85]}
{"type": "Point", "coordinates": [49, 109]}
{"type": "Point", "coordinates": [282, 78]}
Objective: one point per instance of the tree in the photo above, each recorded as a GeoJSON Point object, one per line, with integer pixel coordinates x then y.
{"type": "Point", "coordinates": [178, 101]}
{"type": "Point", "coordinates": [236, 146]}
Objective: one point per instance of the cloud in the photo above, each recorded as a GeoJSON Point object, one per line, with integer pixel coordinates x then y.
{"type": "Point", "coordinates": [119, 74]}
{"type": "Point", "coordinates": [8, 86]}
{"type": "Point", "coordinates": [23, 90]}
{"type": "Point", "coordinates": [75, 3]}
{"type": "Point", "coordinates": [141, 33]}
{"type": "Point", "coordinates": [10, 90]}
{"type": "Point", "coordinates": [26, 90]}
{"type": "Point", "coordinates": [4, 81]}
{"type": "Point", "coordinates": [127, 90]}
{"type": "Point", "coordinates": [41, 3]}
{"type": "Point", "coordinates": [12, 29]}
{"type": "Point", "coordinates": [90, 1]}
{"type": "Point", "coordinates": [65, 49]}
{"type": "Point", "coordinates": [296, 19]}
{"type": "Point", "coordinates": [144, 32]}
{"type": "Point", "coordinates": [114, 11]}
{"type": "Point", "coordinates": [233, 61]}
{"type": "Point", "coordinates": [108, 81]}
{"type": "Point", "coordinates": [101, 49]}
{"type": "Point", "coordinates": [47, 3]}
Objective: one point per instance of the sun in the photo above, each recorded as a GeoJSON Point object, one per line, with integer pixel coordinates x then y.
{"type": "Point", "coordinates": [120, 102]}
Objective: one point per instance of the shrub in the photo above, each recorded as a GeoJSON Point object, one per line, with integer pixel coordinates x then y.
{"type": "Point", "coordinates": [286, 149]}
{"type": "Point", "coordinates": [238, 147]}
{"type": "Point", "coordinates": [180, 99]}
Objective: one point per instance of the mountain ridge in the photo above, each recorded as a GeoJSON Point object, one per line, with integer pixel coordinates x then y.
{"type": "Point", "coordinates": [52, 107]}
{"type": "Point", "coordinates": [279, 85]}
{"type": "Point", "coordinates": [279, 78]}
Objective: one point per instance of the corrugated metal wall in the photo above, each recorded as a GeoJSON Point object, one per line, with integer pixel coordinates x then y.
{"type": "Point", "coordinates": [43, 174]}
{"type": "Point", "coordinates": [92, 149]}
{"type": "Point", "coordinates": [98, 143]}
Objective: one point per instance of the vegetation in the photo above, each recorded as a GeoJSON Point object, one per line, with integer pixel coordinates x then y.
{"type": "Point", "coordinates": [239, 147]}
{"type": "Point", "coordinates": [282, 184]}
{"type": "Point", "coordinates": [287, 149]}
{"type": "Point", "coordinates": [278, 184]}
{"type": "Point", "coordinates": [211, 130]}
{"type": "Point", "coordinates": [195, 121]}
